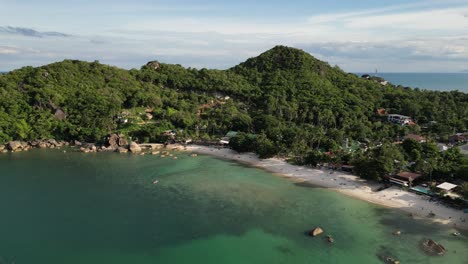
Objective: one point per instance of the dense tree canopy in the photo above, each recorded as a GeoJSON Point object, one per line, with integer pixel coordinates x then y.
{"type": "Point", "coordinates": [297, 105]}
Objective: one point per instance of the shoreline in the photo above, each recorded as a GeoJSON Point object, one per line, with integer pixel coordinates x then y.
{"type": "Point", "coordinates": [417, 205]}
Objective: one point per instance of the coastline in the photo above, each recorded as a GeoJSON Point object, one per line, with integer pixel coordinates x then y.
{"type": "Point", "coordinates": [417, 205]}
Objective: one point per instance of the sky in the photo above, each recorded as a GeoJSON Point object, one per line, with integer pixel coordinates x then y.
{"type": "Point", "coordinates": [358, 35]}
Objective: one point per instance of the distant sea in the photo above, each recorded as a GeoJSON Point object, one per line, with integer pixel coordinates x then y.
{"type": "Point", "coordinates": [429, 81]}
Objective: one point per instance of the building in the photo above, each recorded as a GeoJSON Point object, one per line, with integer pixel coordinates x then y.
{"type": "Point", "coordinates": [400, 119]}
{"type": "Point", "coordinates": [225, 140]}
{"type": "Point", "coordinates": [415, 137]}
{"type": "Point", "coordinates": [458, 138]}
{"type": "Point", "coordinates": [404, 178]}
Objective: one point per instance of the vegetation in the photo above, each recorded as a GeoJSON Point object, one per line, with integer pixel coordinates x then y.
{"type": "Point", "coordinates": [296, 105]}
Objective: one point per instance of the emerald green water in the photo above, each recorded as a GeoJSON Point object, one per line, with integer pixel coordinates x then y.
{"type": "Point", "coordinates": [103, 208]}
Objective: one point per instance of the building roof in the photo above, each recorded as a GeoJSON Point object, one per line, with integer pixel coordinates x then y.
{"type": "Point", "coordinates": [407, 175]}
{"type": "Point", "coordinates": [231, 134]}
{"type": "Point", "coordinates": [415, 137]}
{"type": "Point", "coordinates": [446, 186]}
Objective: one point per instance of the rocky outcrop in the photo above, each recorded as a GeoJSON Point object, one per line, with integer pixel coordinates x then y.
{"type": "Point", "coordinates": [154, 65]}
{"type": "Point", "coordinates": [134, 148]}
{"type": "Point", "coordinates": [432, 248]}
{"type": "Point", "coordinates": [88, 148]}
{"type": "Point", "coordinates": [316, 231]}
{"type": "Point", "coordinates": [14, 146]}
{"type": "Point", "coordinates": [60, 114]}
{"type": "Point", "coordinates": [115, 141]}
{"type": "Point", "coordinates": [121, 150]}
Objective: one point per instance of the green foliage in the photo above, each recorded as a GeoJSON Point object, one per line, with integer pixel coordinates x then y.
{"type": "Point", "coordinates": [299, 105]}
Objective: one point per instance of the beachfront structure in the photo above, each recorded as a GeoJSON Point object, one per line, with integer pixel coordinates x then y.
{"type": "Point", "coordinates": [404, 178]}
{"type": "Point", "coordinates": [225, 140]}
{"type": "Point", "coordinates": [446, 186]}
{"type": "Point", "coordinates": [400, 119]}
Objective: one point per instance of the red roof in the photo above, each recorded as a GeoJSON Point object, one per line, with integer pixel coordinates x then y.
{"type": "Point", "coordinates": [407, 175]}
{"type": "Point", "coordinates": [415, 137]}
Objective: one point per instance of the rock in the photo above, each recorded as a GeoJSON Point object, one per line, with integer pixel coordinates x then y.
{"type": "Point", "coordinates": [112, 141]}
{"type": "Point", "coordinates": [134, 147]}
{"type": "Point", "coordinates": [153, 65]}
{"type": "Point", "coordinates": [14, 145]}
{"type": "Point", "coordinates": [77, 143]}
{"type": "Point", "coordinates": [193, 155]}
{"type": "Point", "coordinates": [316, 231]}
{"type": "Point", "coordinates": [60, 114]}
{"type": "Point", "coordinates": [121, 150]}
{"type": "Point", "coordinates": [330, 239]}
{"type": "Point", "coordinates": [53, 142]}
{"type": "Point", "coordinates": [122, 140]}
{"type": "Point", "coordinates": [397, 233]}
{"type": "Point", "coordinates": [43, 144]}
{"type": "Point", "coordinates": [2, 148]}
{"type": "Point", "coordinates": [155, 152]}
{"type": "Point", "coordinates": [432, 248]}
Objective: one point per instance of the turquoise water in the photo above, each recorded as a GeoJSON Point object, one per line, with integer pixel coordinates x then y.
{"type": "Point", "coordinates": [103, 208]}
{"type": "Point", "coordinates": [429, 81]}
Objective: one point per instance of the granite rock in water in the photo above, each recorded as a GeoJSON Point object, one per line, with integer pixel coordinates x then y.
{"type": "Point", "coordinates": [432, 248]}
{"type": "Point", "coordinates": [121, 150]}
{"type": "Point", "coordinates": [134, 147]}
{"type": "Point", "coordinates": [14, 145]}
{"type": "Point", "coordinates": [316, 231]}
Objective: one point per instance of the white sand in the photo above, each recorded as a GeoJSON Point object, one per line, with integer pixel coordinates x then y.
{"type": "Point", "coordinates": [418, 205]}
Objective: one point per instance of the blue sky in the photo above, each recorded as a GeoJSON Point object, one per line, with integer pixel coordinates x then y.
{"type": "Point", "coordinates": [360, 35]}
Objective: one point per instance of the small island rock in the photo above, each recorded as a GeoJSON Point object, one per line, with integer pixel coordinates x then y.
{"type": "Point", "coordinates": [316, 231]}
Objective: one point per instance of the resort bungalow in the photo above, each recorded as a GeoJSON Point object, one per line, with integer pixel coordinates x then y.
{"type": "Point", "coordinates": [446, 188]}
{"type": "Point", "coordinates": [400, 119]}
{"type": "Point", "coordinates": [404, 178]}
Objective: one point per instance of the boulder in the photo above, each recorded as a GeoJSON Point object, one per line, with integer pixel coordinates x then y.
{"type": "Point", "coordinates": [112, 141]}
{"type": "Point", "coordinates": [14, 145]}
{"type": "Point", "coordinates": [2, 147]}
{"type": "Point", "coordinates": [53, 142]}
{"type": "Point", "coordinates": [134, 147]}
{"type": "Point", "coordinates": [122, 141]}
{"type": "Point", "coordinates": [432, 248]}
{"type": "Point", "coordinates": [154, 65]}
{"type": "Point", "coordinates": [60, 114]}
{"type": "Point", "coordinates": [121, 150]}
{"type": "Point", "coordinates": [397, 233]}
{"type": "Point", "coordinates": [43, 144]}
{"type": "Point", "coordinates": [316, 231]}
{"type": "Point", "coordinates": [77, 143]}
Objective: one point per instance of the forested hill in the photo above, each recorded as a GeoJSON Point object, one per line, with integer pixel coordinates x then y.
{"type": "Point", "coordinates": [285, 95]}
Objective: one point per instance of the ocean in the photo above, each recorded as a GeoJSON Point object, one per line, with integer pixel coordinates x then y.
{"type": "Point", "coordinates": [429, 81]}
{"type": "Point", "coordinates": [104, 208]}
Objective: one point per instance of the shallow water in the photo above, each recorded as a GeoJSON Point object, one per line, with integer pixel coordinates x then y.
{"type": "Point", "coordinates": [103, 208]}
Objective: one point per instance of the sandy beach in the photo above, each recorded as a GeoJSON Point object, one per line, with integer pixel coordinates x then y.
{"type": "Point", "coordinates": [417, 205]}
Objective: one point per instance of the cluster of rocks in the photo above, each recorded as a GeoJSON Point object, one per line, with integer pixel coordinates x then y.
{"type": "Point", "coordinates": [17, 146]}
{"type": "Point", "coordinates": [112, 143]}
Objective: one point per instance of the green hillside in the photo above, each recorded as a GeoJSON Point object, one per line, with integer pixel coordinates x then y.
{"type": "Point", "coordinates": [295, 103]}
